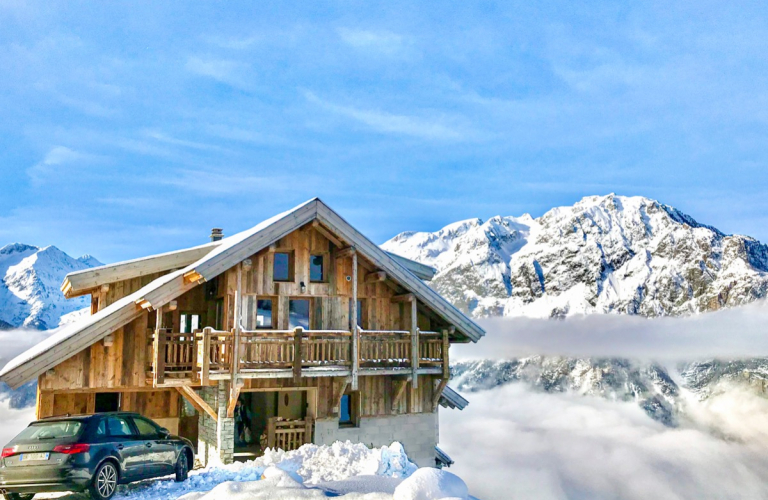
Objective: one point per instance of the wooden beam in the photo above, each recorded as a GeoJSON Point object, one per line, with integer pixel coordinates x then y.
{"type": "Point", "coordinates": [235, 361]}
{"type": "Point", "coordinates": [193, 277]}
{"type": "Point", "coordinates": [355, 328]}
{"type": "Point", "coordinates": [298, 356]}
{"type": "Point", "coordinates": [375, 277]}
{"type": "Point", "coordinates": [339, 390]}
{"type": "Point", "coordinates": [234, 395]}
{"type": "Point", "coordinates": [158, 355]}
{"type": "Point", "coordinates": [400, 386]}
{"type": "Point", "coordinates": [406, 297]}
{"type": "Point", "coordinates": [438, 392]}
{"type": "Point", "coordinates": [205, 356]}
{"type": "Point", "coordinates": [415, 355]}
{"type": "Point", "coordinates": [345, 252]}
{"type": "Point", "coordinates": [329, 236]}
{"type": "Point", "coordinates": [446, 348]}
{"type": "Point", "coordinates": [199, 403]}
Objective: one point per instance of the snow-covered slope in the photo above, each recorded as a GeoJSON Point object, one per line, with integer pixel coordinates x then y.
{"type": "Point", "coordinates": [605, 254]}
{"type": "Point", "coordinates": [29, 287]}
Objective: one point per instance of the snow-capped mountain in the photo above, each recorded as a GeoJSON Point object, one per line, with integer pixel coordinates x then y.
{"type": "Point", "coordinates": [605, 254]}
{"type": "Point", "coordinates": [29, 291]}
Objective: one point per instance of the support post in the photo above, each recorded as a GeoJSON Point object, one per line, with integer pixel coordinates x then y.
{"type": "Point", "coordinates": [355, 328]}
{"type": "Point", "coordinates": [446, 348]}
{"type": "Point", "coordinates": [298, 355]}
{"type": "Point", "coordinates": [158, 356]}
{"type": "Point", "coordinates": [414, 343]}
{"type": "Point", "coordinates": [235, 363]}
{"type": "Point", "coordinates": [234, 395]}
{"type": "Point", "coordinates": [206, 354]}
{"type": "Point", "coordinates": [438, 392]}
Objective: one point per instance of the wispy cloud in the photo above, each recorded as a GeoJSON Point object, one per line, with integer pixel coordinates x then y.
{"type": "Point", "coordinates": [730, 332]}
{"type": "Point", "coordinates": [222, 70]}
{"type": "Point", "coordinates": [381, 41]}
{"type": "Point", "coordinates": [215, 182]}
{"type": "Point", "coordinates": [59, 161]}
{"type": "Point", "coordinates": [439, 128]}
{"type": "Point", "coordinates": [162, 137]}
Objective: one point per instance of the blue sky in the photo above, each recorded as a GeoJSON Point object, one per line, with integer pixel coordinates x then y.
{"type": "Point", "coordinates": [134, 127]}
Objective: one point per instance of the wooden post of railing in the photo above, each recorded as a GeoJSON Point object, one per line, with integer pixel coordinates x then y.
{"type": "Point", "coordinates": [355, 329]}
{"type": "Point", "coordinates": [414, 343]}
{"type": "Point", "coordinates": [206, 361]}
{"type": "Point", "coordinates": [195, 360]}
{"type": "Point", "coordinates": [235, 353]}
{"type": "Point", "coordinates": [158, 356]}
{"type": "Point", "coordinates": [271, 432]}
{"type": "Point", "coordinates": [298, 355]}
{"type": "Point", "coordinates": [446, 347]}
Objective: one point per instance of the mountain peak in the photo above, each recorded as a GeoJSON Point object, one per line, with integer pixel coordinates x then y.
{"type": "Point", "coordinates": [604, 254]}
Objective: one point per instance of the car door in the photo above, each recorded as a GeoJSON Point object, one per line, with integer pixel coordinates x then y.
{"type": "Point", "coordinates": [129, 448]}
{"type": "Point", "coordinates": [161, 456]}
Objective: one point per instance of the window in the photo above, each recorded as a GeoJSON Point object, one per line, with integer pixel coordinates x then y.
{"type": "Point", "coordinates": [188, 323]}
{"type": "Point", "coordinates": [348, 410]}
{"type": "Point", "coordinates": [146, 428]}
{"type": "Point", "coordinates": [119, 427]}
{"type": "Point", "coordinates": [101, 430]}
{"type": "Point", "coordinates": [107, 401]}
{"type": "Point", "coordinates": [282, 269]}
{"type": "Point", "coordinates": [50, 430]}
{"type": "Point", "coordinates": [316, 268]}
{"type": "Point", "coordinates": [258, 313]}
{"type": "Point", "coordinates": [264, 313]}
{"type": "Point", "coordinates": [360, 315]}
{"type": "Point", "coordinates": [298, 313]}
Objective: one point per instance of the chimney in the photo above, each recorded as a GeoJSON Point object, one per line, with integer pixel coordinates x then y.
{"type": "Point", "coordinates": [217, 234]}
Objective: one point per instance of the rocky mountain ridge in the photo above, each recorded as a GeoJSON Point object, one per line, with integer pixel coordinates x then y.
{"type": "Point", "coordinates": [605, 254]}
{"type": "Point", "coordinates": [30, 277]}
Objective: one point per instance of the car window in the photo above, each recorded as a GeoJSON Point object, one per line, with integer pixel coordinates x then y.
{"type": "Point", "coordinates": [50, 430]}
{"type": "Point", "coordinates": [101, 430]}
{"type": "Point", "coordinates": [145, 428]}
{"type": "Point", "coordinates": [119, 427]}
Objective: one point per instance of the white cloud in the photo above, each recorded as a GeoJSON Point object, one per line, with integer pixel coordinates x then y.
{"type": "Point", "coordinates": [222, 70]}
{"type": "Point", "coordinates": [382, 41]}
{"type": "Point", "coordinates": [733, 333]}
{"type": "Point", "coordinates": [513, 443]}
{"type": "Point", "coordinates": [433, 128]}
{"type": "Point", "coordinates": [59, 161]}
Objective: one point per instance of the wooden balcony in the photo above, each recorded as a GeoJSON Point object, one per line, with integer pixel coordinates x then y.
{"type": "Point", "coordinates": [207, 355]}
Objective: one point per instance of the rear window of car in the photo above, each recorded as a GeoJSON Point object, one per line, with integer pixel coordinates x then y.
{"type": "Point", "coordinates": [51, 430]}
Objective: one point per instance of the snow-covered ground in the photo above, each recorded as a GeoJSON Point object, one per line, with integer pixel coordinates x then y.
{"type": "Point", "coordinates": [343, 470]}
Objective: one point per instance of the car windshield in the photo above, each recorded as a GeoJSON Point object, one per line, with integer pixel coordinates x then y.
{"type": "Point", "coordinates": [51, 430]}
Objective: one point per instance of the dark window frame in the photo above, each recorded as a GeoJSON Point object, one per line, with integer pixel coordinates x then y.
{"type": "Point", "coordinates": [291, 271]}
{"type": "Point", "coordinates": [324, 256]}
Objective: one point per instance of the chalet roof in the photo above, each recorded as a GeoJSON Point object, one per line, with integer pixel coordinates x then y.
{"type": "Point", "coordinates": [452, 399]}
{"type": "Point", "coordinates": [84, 281]}
{"type": "Point", "coordinates": [74, 338]}
{"type": "Point", "coordinates": [442, 457]}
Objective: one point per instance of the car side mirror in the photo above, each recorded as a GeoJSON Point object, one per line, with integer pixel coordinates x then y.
{"type": "Point", "coordinates": [165, 433]}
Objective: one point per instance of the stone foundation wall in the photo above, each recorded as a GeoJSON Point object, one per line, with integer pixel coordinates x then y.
{"type": "Point", "coordinates": [216, 442]}
{"type": "Point", "coordinates": [417, 432]}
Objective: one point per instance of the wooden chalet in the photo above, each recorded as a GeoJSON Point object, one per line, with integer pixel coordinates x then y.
{"type": "Point", "coordinates": [318, 333]}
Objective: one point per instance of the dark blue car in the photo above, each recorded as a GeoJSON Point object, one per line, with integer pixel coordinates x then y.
{"type": "Point", "coordinates": [91, 453]}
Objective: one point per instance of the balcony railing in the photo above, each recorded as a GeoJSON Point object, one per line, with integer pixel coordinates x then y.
{"type": "Point", "coordinates": [207, 354]}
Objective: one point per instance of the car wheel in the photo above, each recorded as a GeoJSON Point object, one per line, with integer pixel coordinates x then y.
{"type": "Point", "coordinates": [182, 467]}
{"type": "Point", "coordinates": [104, 483]}
{"type": "Point", "coordinates": [19, 496]}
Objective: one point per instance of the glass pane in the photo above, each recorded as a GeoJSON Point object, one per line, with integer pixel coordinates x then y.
{"type": "Point", "coordinates": [183, 323]}
{"type": "Point", "coordinates": [280, 271]}
{"type": "Point", "coordinates": [360, 313]}
{"type": "Point", "coordinates": [264, 313]}
{"type": "Point", "coordinates": [144, 427]}
{"type": "Point", "coordinates": [298, 314]}
{"type": "Point", "coordinates": [195, 322]}
{"type": "Point", "coordinates": [345, 415]}
{"type": "Point", "coordinates": [118, 427]}
{"type": "Point", "coordinates": [316, 268]}
{"type": "Point", "coordinates": [51, 430]}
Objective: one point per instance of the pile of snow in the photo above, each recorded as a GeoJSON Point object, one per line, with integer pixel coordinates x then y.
{"type": "Point", "coordinates": [431, 484]}
{"type": "Point", "coordinates": [346, 470]}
